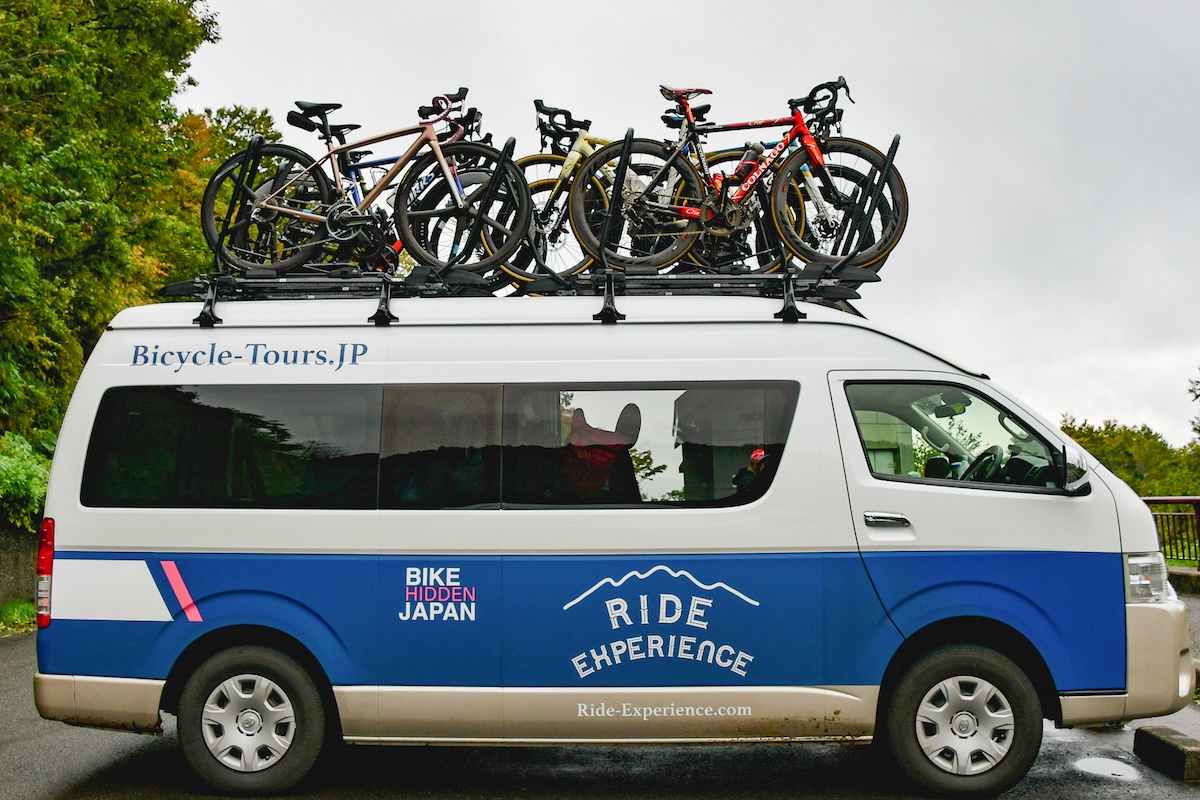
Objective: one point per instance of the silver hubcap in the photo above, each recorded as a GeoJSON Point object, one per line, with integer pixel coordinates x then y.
{"type": "Point", "coordinates": [965, 725]}
{"type": "Point", "coordinates": [248, 723]}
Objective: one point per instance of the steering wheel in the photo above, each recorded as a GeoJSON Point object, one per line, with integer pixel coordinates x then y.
{"type": "Point", "coordinates": [986, 465]}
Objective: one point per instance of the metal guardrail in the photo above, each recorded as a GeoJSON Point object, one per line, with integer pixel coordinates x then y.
{"type": "Point", "coordinates": [1178, 523]}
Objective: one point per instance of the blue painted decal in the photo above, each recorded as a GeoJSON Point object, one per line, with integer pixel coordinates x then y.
{"type": "Point", "coordinates": [713, 620]}
{"type": "Point", "coordinates": [1071, 606]}
{"type": "Point", "coordinates": [440, 620]}
{"type": "Point", "coordinates": [613, 621]}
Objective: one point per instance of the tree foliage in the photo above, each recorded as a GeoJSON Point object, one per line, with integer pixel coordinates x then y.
{"type": "Point", "coordinates": [89, 200]}
{"type": "Point", "coordinates": [23, 476]}
{"type": "Point", "coordinates": [1140, 457]}
{"type": "Point", "coordinates": [1194, 390]}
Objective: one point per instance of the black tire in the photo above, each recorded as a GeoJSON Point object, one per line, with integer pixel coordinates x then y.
{"type": "Point", "coordinates": [650, 236]}
{"type": "Point", "coordinates": [434, 230]}
{"type": "Point", "coordinates": [256, 238]}
{"type": "Point", "coordinates": [850, 164]}
{"type": "Point", "coordinates": [549, 223]}
{"type": "Point", "coordinates": [225, 721]}
{"type": "Point", "coordinates": [964, 721]}
{"type": "Point", "coordinates": [438, 232]}
{"type": "Point", "coordinates": [754, 248]}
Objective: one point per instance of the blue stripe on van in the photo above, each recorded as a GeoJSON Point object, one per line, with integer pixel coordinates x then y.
{"type": "Point", "coordinates": [594, 621]}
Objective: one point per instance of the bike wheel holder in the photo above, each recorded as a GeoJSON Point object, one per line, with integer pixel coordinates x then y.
{"type": "Point", "coordinates": [609, 314]}
{"type": "Point", "coordinates": [489, 194]}
{"type": "Point", "coordinates": [876, 180]}
{"type": "Point", "coordinates": [234, 213]}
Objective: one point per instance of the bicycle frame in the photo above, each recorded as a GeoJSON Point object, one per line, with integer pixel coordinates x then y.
{"type": "Point", "coordinates": [691, 132]}
{"type": "Point", "coordinates": [584, 145]}
{"type": "Point", "coordinates": [426, 135]}
{"type": "Point", "coordinates": [358, 183]}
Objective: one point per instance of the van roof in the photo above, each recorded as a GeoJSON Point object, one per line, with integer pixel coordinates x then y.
{"type": "Point", "coordinates": [474, 311]}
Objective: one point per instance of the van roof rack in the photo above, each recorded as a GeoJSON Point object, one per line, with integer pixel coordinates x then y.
{"type": "Point", "coordinates": [825, 284]}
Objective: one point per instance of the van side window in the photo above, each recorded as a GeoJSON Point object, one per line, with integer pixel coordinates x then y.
{"type": "Point", "coordinates": [437, 446]}
{"type": "Point", "coordinates": [946, 433]}
{"type": "Point", "coordinates": [441, 447]}
{"type": "Point", "coordinates": [677, 444]}
{"type": "Point", "coordinates": [234, 447]}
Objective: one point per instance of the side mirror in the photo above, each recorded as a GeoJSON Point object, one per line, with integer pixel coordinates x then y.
{"type": "Point", "coordinates": [1073, 469]}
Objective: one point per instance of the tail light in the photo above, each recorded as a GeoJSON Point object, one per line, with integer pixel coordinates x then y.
{"type": "Point", "coordinates": [45, 567]}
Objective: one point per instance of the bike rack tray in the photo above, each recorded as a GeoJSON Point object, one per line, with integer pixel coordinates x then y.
{"type": "Point", "coordinates": [339, 282]}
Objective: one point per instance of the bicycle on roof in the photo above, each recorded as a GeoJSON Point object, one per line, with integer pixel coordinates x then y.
{"type": "Point", "coordinates": [459, 204]}
{"type": "Point", "coordinates": [821, 199]}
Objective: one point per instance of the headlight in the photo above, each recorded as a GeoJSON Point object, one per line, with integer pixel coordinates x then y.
{"type": "Point", "coordinates": [1146, 578]}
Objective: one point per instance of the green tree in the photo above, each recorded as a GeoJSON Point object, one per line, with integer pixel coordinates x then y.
{"type": "Point", "coordinates": [23, 475]}
{"type": "Point", "coordinates": [88, 139]}
{"type": "Point", "coordinates": [644, 467]}
{"type": "Point", "coordinates": [1194, 390]}
{"type": "Point", "coordinates": [1140, 457]}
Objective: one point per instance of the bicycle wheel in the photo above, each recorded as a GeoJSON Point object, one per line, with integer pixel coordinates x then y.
{"type": "Point", "coordinates": [258, 237]}
{"type": "Point", "coordinates": [438, 231]}
{"type": "Point", "coordinates": [813, 236]}
{"type": "Point", "coordinates": [651, 230]}
{"type": "Point", "coordinates": [752, 246]}
{"type": "Point", "coordinates": [551, 231]}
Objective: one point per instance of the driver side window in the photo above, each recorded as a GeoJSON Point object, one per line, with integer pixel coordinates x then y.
{"type": "Point", "coordinates": [948, 434]}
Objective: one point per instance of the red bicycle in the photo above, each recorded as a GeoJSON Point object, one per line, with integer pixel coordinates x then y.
{"type": "Point", "coordinates": [821, 203]}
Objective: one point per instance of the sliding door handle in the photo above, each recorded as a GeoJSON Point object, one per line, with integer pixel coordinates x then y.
{"type": "Point", "coordinates": [884, 519]}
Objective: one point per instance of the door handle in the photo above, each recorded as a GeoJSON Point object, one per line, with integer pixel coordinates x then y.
{"type": "Point", "coordinates": [884, 519]}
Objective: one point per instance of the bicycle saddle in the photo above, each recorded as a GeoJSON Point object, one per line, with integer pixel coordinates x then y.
{"type": "Point", "coordinates": [671, 93]}
{"type": "Point", "coordinates": [317, 108]}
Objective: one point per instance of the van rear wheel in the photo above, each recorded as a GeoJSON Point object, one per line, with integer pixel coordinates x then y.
{"type": "Point", "coordinates": [251, 721]}
{"type": "Point", "coordinates": [965, 721]}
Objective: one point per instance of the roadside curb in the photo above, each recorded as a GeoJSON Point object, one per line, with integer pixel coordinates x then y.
{"type": "Point", "coordinates": [1186, 580]}
{"type": "Point", "coordinates": [1168, 751]}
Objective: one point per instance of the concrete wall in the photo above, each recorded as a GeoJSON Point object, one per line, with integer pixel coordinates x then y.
{"type": "Point", "coordinates": [18, 563]}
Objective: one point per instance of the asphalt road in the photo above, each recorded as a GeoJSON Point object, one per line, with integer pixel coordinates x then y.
{"type": "Point", "coordinates": [40, 760]}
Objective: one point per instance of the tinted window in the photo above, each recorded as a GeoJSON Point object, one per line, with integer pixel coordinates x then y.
{"type": "Point", "coordinates": [689, 444]}
{"type": "Point", "coordinates": [943, 432]}
{"type": "Point", "coordinates": [235, 446]}
{"type": "Point", "coordinates": [441, 447]}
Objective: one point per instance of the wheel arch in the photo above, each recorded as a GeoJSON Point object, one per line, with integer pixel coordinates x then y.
{"type": "Point", "coordinates": [981, 631]}
{"type": "Point", "coordinates": [221, 639]}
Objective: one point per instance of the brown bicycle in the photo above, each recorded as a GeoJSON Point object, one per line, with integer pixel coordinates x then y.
{"type": "Point", "coordinates": [274, 207]}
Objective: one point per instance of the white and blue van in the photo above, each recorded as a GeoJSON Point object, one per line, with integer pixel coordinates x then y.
{"type": "Point", "coordinates": [497, 521]}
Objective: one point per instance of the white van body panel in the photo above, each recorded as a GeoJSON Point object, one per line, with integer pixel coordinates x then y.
{"type": "Point", "coordinates": [777, 618]}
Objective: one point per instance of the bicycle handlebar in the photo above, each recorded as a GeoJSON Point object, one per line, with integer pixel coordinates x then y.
{"type": "Point", "coordinates": [821, 100]}
{"type": "Point", "coordinates": [550, 126]}
{"type": "Point", "coordinates": [558, 125]}
{"type": "Point", "coordinates": [441, 106]}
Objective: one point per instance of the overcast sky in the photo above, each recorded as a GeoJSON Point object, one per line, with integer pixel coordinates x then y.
{"type": "Point", "coordinates": [1051, 149]}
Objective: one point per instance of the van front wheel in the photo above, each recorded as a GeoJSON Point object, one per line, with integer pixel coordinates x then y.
{"type": "Point", "coordinates": [251, 721]}
{"type": "Point", "coordinates": [965, 721]}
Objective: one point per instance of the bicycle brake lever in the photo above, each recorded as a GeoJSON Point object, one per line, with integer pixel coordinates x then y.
{"type": "Point", "coordinates": [841, 82]}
